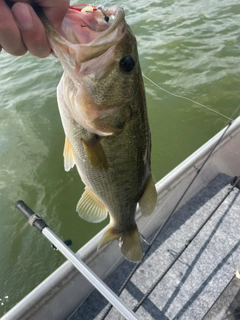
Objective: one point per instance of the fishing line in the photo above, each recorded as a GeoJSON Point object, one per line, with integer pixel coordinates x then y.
{"type": "Point", "coordinates": [235, 114]}
{"type": "Point", "coordinates": [181, 97]}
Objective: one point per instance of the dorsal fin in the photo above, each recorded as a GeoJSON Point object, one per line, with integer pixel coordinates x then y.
{"type": "Point", "coordinates": [148, 200]}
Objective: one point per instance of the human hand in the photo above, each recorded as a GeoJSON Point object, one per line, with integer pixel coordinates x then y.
{"type": "Point", "coordinates": [21, 30]}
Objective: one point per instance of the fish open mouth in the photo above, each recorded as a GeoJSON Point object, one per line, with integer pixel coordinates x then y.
{"type": "Point", "coordinates": [85, 24]}
{"type": "Point", "coordinates": [86, 33]}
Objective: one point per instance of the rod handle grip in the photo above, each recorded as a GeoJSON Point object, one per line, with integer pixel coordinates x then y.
{"type": "Point", "coordinates": [32, 217]}
{"type": "Point", "coordinates": [22, 207]}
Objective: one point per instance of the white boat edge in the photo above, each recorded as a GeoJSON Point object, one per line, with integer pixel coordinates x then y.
{"type": "Point", "coordinates": [62, 292]}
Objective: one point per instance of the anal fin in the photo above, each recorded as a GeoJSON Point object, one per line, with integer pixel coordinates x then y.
{"type": "Point", "coordinates": [148, 200]}
{"type": "Point", "coordinates": [90, 208]}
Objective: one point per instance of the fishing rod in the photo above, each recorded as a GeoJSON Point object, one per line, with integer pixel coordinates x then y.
{"type": "Point", "coordinates": [36, 221]}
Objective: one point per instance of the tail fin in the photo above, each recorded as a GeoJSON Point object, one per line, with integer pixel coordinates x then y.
{"type": "Point", "coordinates": [131, 246]}
{"type": "Point", "coordinates": [130, 243]}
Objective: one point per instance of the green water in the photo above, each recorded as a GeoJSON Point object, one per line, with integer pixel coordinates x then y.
{"type": "Point", "coordinates": [191, 48]}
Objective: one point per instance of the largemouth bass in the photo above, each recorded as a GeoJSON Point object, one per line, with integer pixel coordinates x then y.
{"type": "Point", "coordinates": [102, 105]}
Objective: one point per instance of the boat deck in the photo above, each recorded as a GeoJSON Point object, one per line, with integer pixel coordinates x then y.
{"type": "Point", "coordinates": [190, 267]}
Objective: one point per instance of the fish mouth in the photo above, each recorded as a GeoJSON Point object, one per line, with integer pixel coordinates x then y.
{"type": "Point", "coordinates": [89, 25]}
{"type": "Point", "coordinates": [88, 34]}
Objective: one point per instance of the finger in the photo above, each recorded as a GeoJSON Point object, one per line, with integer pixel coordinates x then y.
{"type": "Point", "coordinates": [54, 10]}
{"type": "Point", "coordinates": [10, 36]}
{"type": "Point", "coordinates": [32, 31]}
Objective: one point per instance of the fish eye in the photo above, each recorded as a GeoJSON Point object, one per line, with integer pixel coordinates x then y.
{"type": "Point", "coordinates": [127, 64]}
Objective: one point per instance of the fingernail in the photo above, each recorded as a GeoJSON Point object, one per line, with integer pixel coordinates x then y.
{"type": "Point", "coordinates": [22, 15]}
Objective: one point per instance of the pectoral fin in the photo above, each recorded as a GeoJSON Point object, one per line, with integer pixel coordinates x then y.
{"type": "Point", "coordinates": [148, 200]}
{"type": "Point", "coordinates": [68, 155]}
{"type": "Point", "coordinates": [95, 153]}
{"type": "Point", "coordinates": [90, 208]}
